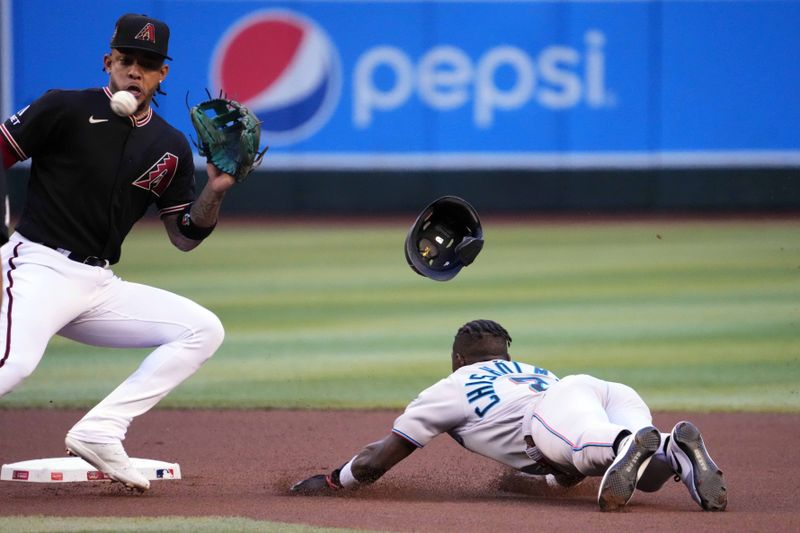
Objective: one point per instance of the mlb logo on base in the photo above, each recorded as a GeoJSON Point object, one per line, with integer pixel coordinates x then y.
{"type": "Point", "coordinates": [165, 473]}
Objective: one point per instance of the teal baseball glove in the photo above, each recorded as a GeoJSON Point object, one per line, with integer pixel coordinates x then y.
{"type": "Point", "coordinates": [228, 136]}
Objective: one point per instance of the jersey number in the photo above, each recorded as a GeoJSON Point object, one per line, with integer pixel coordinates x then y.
{"type": "Point", "coordinates": [535, 383]}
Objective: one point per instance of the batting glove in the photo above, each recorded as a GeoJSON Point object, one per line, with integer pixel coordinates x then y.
{"type": "Point", "coordinates": [318, 485]}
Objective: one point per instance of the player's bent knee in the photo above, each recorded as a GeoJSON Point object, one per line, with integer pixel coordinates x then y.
{"type": "Point", "coordinates": [13, 373]}
{"type": "Point", "coordinates": [210, 331]}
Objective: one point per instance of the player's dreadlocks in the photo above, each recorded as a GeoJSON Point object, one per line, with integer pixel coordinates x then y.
{"type": "Point", "coordinates": [479, 328]}
{"type": "Point", "coordinates": [480, 338]}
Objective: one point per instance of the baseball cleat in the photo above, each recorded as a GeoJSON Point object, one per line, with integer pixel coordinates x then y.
{"type": "Point", "coordinates": [110, 459]}
{"type": "Point", "coordinates": [694, 466]}
{"type": "Point", "coordinates": [633, 455]}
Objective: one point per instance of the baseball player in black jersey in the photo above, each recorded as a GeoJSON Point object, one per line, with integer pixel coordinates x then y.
{"type": "Point", "coordinates": [4, 214]}
{"type": "Point", "coordinates": [4, 218]}
{"type": "Point", "coordinates": [93, 175]}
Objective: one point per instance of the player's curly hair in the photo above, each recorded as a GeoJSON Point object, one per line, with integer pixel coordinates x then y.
{"type": "Point", "coordinates": [480, 338]}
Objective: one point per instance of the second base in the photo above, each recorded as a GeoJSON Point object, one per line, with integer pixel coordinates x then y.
{"type": "Point", "coordinates": [75, 469]}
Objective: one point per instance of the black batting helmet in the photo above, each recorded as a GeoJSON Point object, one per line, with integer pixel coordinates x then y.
{"type": "Point", "coordinates": [446, 236]}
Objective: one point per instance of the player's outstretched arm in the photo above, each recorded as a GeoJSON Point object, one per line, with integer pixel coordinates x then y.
{"type": "Point", "coordinates": [188, 229]}
{"type": "Point", "coordinates": [366, 467]}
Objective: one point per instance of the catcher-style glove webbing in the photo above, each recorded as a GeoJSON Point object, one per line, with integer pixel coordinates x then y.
{"type": "Point", "coordinates": [228, 135]}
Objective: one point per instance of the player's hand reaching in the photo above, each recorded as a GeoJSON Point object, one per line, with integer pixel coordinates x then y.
{"type": "Point", "coordinates": [319, 485]}
{"type": "Point", "coordinates": [218, 180]}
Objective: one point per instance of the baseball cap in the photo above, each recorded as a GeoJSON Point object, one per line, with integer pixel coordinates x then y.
{"type": "Point", "coordinates": [141, 32]}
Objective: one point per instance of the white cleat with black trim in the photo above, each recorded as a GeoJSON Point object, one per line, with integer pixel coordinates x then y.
{"type": "Point", "coordinates": [694, 466]}
{"type": "Point", "coordinates": [633, 456]}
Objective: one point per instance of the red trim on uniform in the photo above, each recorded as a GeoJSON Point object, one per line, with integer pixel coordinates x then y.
{"type": "Point", "coordinates": [7, 157]}
{"type": "Point", "coordinates": [573, 445]}
{"type": "Point", "coordinates": [137, 122]}
{"type": "Point", "coordinates": [7, 143]}
{"type": "Point", "coordinates": [145, 119]}
{"type": "Point", "coordinates": [11, 267]}
{"type": "Point", "coordinates": [174, 209]}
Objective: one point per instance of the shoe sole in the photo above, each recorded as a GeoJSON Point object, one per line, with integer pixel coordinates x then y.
{"type": "Point", "coordinates": [77, 449]}
{"type": "Point", "coordinates": [619, 481]}
{"type": "Point", "coordinates": [708, 479]}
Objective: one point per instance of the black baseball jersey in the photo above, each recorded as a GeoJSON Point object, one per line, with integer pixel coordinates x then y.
{"type": "Point", "coordinates": [93, 173]}
{"type": "Point", "coordinates": [3, 207]}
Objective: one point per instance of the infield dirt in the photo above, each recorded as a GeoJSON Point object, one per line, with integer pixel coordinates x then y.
{"type": "Point", "coordinates": [241, 463]}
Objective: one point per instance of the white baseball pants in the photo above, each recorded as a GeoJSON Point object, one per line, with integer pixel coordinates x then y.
{"type": "Point", "coordinates": [577, 420]}
{"type": "Point", "coordinates": [45, 294]}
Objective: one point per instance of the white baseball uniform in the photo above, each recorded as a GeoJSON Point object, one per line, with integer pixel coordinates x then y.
{"type": "Point", "coordinates": [48, 294]}
{"type": "Point", "coordinates": [93, 176]}
{"type": "Point", "coordinates": [488, 407]}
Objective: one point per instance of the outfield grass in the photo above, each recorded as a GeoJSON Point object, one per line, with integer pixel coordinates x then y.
{"type": "Point", "coordinates": [694, 315]}
{"type": "Point", "coordinates": [172, 524]}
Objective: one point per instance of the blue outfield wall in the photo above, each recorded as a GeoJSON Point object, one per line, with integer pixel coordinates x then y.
{"type": "Point", "coordinates": [649, 104]}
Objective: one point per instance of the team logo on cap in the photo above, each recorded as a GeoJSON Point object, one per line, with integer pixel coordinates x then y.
{"type": "Point", "coordinates": [284, 68]}
{"type": "Point", "coordinates": [148, 33]}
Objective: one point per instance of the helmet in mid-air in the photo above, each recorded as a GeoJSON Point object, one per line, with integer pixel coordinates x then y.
{"type": "Point", "coordinates": [446, 237]}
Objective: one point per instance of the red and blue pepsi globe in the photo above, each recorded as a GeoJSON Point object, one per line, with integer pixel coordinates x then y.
{"type": "Point", "coordinates": [284, 68]}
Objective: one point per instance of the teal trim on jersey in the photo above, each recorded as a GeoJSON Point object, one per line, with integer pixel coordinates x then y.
{"type": "Point", "coordinates": [406, 437]}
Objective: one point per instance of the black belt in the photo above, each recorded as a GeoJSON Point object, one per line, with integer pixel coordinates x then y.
{"type": "Point", "coordinates": [91, 260]}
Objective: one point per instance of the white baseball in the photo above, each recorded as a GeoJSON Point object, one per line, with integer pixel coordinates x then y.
{"type": "Point", "coordinates": [124, 103]}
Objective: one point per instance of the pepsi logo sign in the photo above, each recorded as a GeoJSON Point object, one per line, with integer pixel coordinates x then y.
{"type": "Point", "coordinates": [284, 68]}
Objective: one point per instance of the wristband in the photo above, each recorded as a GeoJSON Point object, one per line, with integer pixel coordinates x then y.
{"type": "Point", "coordinates": [346, 478]}
{"type": "Point", "coordinates": [188, 228]}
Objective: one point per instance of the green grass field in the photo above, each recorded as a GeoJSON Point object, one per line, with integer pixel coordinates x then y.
{"type": "Point", "coordinates": [210, 524]}
{"type": "Point", "coordinates": [694, 315]}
